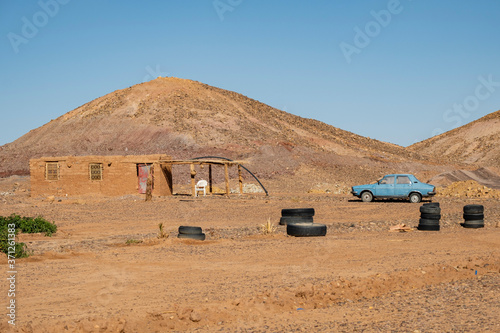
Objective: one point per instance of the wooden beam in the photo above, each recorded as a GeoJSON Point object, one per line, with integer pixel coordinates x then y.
{"type": "Point", "coordinates": [226, 176]}
{"type": "Point", "coordinates": [240, 178]}
{"type": "Point", "coordinates": [149, 189]}
{"type": "Point", "coordinates": [193, 183]}
{"type": "Point", "coordinates": [210, 180]}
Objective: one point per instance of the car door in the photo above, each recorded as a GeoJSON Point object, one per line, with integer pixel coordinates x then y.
{"type": "Point", "coordinates": [385, 187]}
{"type": "Point", "coordinates": [403, 186]}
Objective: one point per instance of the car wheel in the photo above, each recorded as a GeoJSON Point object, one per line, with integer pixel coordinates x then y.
{"type": "Point", "coordinates": [415, 198]}
{"type": "Point", "coordinates": [366, 197]}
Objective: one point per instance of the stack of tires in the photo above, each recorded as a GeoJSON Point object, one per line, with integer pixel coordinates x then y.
{"type": "Point", "coordinates": [297, 215]}
{"type": "Point", "coordinates": [191, 233]}
{"type": "Point", "coordinates": [473, 216]}
{"type": "Point", "coordinates": [300, 223]}
{"type": "Point", "coordinates": [430, 214]}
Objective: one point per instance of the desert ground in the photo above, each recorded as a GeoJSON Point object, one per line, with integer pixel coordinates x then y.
{"type": "Point", "coordinates": [106, 270]}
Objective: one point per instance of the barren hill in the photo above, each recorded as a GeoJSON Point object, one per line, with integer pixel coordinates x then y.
{"type": "Point", "coordinates": [475, 143]}
{"type": "Point", "coordinates": [185, 118]}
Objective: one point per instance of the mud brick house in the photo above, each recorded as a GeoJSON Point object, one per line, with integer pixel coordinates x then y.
{"type": "Point", "coordinates": [100, 175]}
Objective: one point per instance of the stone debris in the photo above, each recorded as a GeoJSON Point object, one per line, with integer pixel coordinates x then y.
{"type": "Point", "coordinates": [468, 189]}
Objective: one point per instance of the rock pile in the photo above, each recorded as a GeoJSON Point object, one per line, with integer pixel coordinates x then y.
{"type": "Point", "coordinates": [468, 189]}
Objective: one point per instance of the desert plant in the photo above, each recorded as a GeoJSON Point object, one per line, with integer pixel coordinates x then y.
{"type": "Point", "coordinates": [22, 224]}
{"type": "Point", "coordinates": [29, 225]}
{"type": "Point", "coordinates": [268, 227]}
{"type": "Point", "coordinates": [132, 241]}
{"type": "Point", "coordinates": [161, 232]}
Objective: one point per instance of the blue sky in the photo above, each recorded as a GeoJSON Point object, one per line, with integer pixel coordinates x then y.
{"type": "Point", "coordinates": [397, 71]}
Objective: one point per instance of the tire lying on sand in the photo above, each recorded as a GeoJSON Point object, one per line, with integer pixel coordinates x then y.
{"type": "Point", "coordinates": [187, 230]}
{"type": "Point", "coordinates": [426, 209]}
{"type": "Point", "coordinates": [473, 216]}
{"type": "Point", "coordinates": [298, 212]}
{"type": "Point", "coordinates": [192, 236]}
{"type": "Point", "coordinates": [473, 224]}
{"type": "Point", "coordinates": [430, 214]}
{"type": "Point", "coordinates": [428, 222]}
{"type": "Point", "coordinates": [285, 220]}
{"type": "Point", "coordinates": [473, 209]}
{"type": "Point", "coordinates": [306, 229]}
{"type": "Point", "coordinates": [191, 232]}
{"type": "Point", "coordinates": [429, 227]}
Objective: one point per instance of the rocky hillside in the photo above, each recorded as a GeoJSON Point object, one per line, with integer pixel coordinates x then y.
{"type": "Point", "coordinates": [185, 119]}
{"type": "Point", "coordinates": [475, 143]}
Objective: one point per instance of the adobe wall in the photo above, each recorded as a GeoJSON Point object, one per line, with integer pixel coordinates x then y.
{"type": "Point", "coordinates": [119, 176]}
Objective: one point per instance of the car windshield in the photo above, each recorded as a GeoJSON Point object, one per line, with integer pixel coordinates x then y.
{"type": "Point", "coordinates": [387, 180]}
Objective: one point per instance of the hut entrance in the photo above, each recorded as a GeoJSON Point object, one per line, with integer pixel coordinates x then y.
{"type": "Point", "coordinates": [144, 171]}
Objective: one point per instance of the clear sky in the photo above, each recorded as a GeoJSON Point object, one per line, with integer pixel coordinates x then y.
{"type": "Point", "coordinates": [397, 71]}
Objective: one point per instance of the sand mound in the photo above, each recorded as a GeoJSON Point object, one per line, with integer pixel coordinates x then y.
{"type": "Point", "coordinates": [468, 189]}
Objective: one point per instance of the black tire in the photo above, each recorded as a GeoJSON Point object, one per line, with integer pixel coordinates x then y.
{"type": "Point", "coordinates": [192, 236]}
{"type": "Point", "coordinates": [430, 216]}
{"type": "Point", "coordinates": [428, 222]}
{"type": "Point", "coordinates": [366, 196]}
{"type": "Point", "coordinates": [430, 210]}
{"type": "Point", "coordinates": [473, 224]}
{"type": "Point", "coordinates": [473, 209]}
{"type": "Point", "coordinates": [298, 212]}
{"type": "Point", "coordinates": [284, 220]}
{"type": "Point", "coordinates": [473, 217]}
{"type": "Point", "coordinates": [415, 198]}
{"type": "Point", "coordinates": [306, 229]}
{"type": "Point", "coordinates": [187, 230]}
{"type": "Point", "coordinates": [431, 204]}
{"type": "Point", "coordinates": [429, 227]}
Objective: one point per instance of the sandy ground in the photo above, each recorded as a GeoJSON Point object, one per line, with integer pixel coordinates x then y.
{"type": "Point", "coordinates": [359, 277]}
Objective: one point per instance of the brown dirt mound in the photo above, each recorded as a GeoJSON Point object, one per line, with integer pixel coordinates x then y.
{"type": "Point", "coordinates": [484, 176]}
{"type": "Point", "coordinates": [474, 143]}
{"type": "Point", "coordinates": [468, 189]}
{"type": "Point", "coordinates": [186, 119]}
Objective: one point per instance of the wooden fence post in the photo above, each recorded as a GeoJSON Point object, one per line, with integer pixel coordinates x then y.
{"type": "Point", "coordinates": [193, 184]}
{"type": "Point", "coordinates": [240, 178]}
{"type": "Point", "coordinates": [226, 176]}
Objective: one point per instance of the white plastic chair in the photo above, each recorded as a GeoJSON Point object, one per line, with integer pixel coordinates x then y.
{"type": "Point", "coordinates": [201, 186]}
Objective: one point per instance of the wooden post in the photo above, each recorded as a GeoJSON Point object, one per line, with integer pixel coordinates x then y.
{"type": "Point", "coordinates": [193, 184]}
{"type": "Point", "coordinates": [149, 188]}
{"type": "Point", "coordinates": [210, 178]}
{"type": "Point", "coordinates": [240, 177]}
{"type": "Point", "coordinates": [226, 176]}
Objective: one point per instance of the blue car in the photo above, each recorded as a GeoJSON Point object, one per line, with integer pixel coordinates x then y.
{"type": "Point", "coordinates": [399, 186]}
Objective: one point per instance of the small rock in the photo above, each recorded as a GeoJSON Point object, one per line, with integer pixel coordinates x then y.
{"type": "Point", "coordinates": [195, 317]}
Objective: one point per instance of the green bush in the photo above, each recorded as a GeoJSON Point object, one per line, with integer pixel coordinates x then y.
{"type": "Point", "coordinates": [26, 225]}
